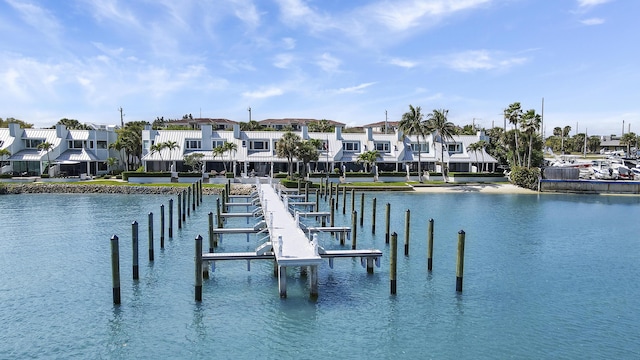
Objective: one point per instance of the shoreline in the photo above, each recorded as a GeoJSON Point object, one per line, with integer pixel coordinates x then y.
{"type": "Point", "coordinates": [487, 188]}
{"type": "Point", "coordinates": [238, 189]}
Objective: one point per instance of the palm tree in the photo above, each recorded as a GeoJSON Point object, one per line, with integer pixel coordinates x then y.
{"type": "Point", "coordinates": [307, 151]}
{"type": "Point", "coordinates": [230, 147]}
{"type": "Point", "coordinates": [628, 139]}
{"type": "Point", "coordinates": [157, 148]}
{"type": "Point", "coordinates": [481, 146]}
{"type": "Point", "coordinates": [437, 122]}
{"type": "Point", "coordinates": [171, 145]}
{"type": "Point", "coordinates": [412, 123]}
{"type": "Point", "coordinates": [513, 114]}
{"type": "Point", "coordinates": [286, 148]}
{"type": "Point", "coordinates": [111, 162]}
{"type": "Point", "coordinates": [219, 151]}
{"type": "Point", "coordinates": [46, 146]}
{"type": "Point", "coordinates": [565, 132]}
{"type": "Point", "coordinates": [530, 125]}
{"type": "Point", "coordinates": [473, 147]}
{"type": "Point", "coordinates": [4, 153]}
{"type": "Point", "coordinates": [118, 146]}
{"type": "Point", "coordinates": [368, 158]}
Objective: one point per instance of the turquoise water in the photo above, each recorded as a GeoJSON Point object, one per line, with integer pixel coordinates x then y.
{"type": "Point", "coordinates": [551, 276]}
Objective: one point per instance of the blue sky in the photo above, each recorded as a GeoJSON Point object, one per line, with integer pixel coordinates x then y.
{"type": "Point", "coordinates": [348, 61]}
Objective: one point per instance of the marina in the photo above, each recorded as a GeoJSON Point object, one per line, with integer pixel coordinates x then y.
{"type": "Point", "coordinates": [543, 279]}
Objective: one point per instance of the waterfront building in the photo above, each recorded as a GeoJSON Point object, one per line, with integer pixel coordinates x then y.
{"type": "Point", "coordinates": [72, 152]}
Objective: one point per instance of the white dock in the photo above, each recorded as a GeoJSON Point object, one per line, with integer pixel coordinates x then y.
{"type": "Point", "coordinates": [290, 242]}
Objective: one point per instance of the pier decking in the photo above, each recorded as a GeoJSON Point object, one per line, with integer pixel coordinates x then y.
{"type": "Point", "coordinates": [290, 242]}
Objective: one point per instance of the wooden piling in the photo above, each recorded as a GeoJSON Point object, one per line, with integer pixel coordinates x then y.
{"type": "Point", "coordinates": [184, 205]}
{"type": "Point", "coordinates": [189, 196]}
{"type": "Point", "coordinates": [388, 217]}
{"type": "Point", "coordinates": [170, 218]}
{"type": "Point", "coordinates": [460, 262]}
{"type": "Point", "coordinates": [195, 197]}
{"type": "Point", "coordinates": [362, 209]}
{"type": "Point", "coordinates": [201, 191]}
{"type": "Point", "coordinates": [407, 229]}
{"type": "Point", "coordinates": [354, 229]}
{"type": "Point", "coordinates": [115, 269]}
{"type": "Point", "coordinates": [332, 213]}
{"type": "Point", "coordinates": [353, 199]}
{"type": "Point", "coordinates": [198, 257]}
{"type": "Point", "coordinates": [337, 196]}
{"type": "Point", "coordinates": [306, 191]}
{"type": "Point", "coordinates": [134, 243]}
{"type": "Point", "coordinates": [430, 246]}
{"type": "Point", "coordinates": [219, 219]}
{"type": "Point", "coordinates": [210, 232]}
{"type": "Point", "coordinates": [373, 216]}
{"type": "Point", "coordinates": [179, 210]}
{"type": "Point", "coordinates": [150, 236]}
{"type": "Point", "coordinates": [392, 263]}
{"type": "Point", "coordinates": [317, 201]}
{"type": "Point", "coordinates": [223, 207]}
{"type": "Point", "coordinates": [162, 226]}
{"type": "Point", "coordinates": [344, 200]}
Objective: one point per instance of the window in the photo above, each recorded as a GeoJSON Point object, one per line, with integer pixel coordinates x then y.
{"type": "Point", "coordinates": [102, 144]}
{"type": "Point", "coordinates": [216, 143]}
{"type": "Point", "coordinates": [353, 146]}
{"type": "Point", "coordinates": [145, 144]}
{"type": "Point", "coordinates": [75, 144]}
{"type": "Point", "coordinates": [382, 147]}
{"type": "Point", "coordinates": [32, 143]}
{"type": "Point", "coordinates": [424, 147]}
{"type": "Point", "coordinates": [454, 148]}
{"type": "Point", "coordinates": [259, 145]}
{"type": "Point", "coordinates": [194, 144]}
{"type": "Point", "coordinates": [90, 144]}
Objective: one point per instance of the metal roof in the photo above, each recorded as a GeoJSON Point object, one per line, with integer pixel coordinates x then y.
{"type": "Point", "coordinates": [28, 155]}
{"type": "Point", "coordinates": [75, 155]}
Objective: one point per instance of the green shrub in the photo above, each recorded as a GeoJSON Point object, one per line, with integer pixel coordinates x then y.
{"type": "Point", "coordinates": [106, 177]}
{"type": "Point", "coordinates": [44, 176]}
{"type": "Point", "coordinates": [230, 175]}
{"type": "Point", "coordinates": [127, 174]}
{"type": "Point", "coordinates": [526, 178]}
{"type": "Point", "coordinates": [119, 177]}
{"type": "Point", "coordinates": [6, 176]}
{"type": "Point", "coordinates": [189, 174]}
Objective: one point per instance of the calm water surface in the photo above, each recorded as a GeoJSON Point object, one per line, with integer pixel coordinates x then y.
{"type": "Point", "coordinates": [551, 276]}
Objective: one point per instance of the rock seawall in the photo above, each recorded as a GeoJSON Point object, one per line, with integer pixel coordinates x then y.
{"type": "Point", "coordinates": [47, 188]}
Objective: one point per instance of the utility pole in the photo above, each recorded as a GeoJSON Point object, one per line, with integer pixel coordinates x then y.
{"type": "Point", "coordinates": [121, 117]}
{"type": "Point", "coordinates": [386, 125]}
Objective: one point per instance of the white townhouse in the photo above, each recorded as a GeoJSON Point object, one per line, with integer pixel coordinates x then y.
{"type": "Point", "coordinates": [73, 152]}
{"type": "Point", "coordinates": [255, 151]}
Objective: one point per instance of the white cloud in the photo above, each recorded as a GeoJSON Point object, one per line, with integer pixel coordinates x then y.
{"type": "Point", "coordinates": [109, 51]}
{"type": "Point", "coordinates": [283, 61]}
{"type": "Point", "coordinates": [238, 65]}
{"type": "Point", "coordinates": [590, 3]}
{"type": "Point", "coordinates": [473, 60]}
{"type": "Point", "coordinates": [264, 93]}
{"type": "Point", "coordinates": [354, 89]}
{"type": "Point", "coordinates": [289, 43]}
{"type": "Point", "coordinates": [110, 10]}
{"type": "Point", "coordinates": [592, 21]}
{"type": "Point", "coordinates": [328, 63]}
{"type": "Point", "coordinates": [246, 11]}
{"type": "Point", "coordinates": [36, 17]}
{"type": "Point", "coordinates": [404, 15]}
{"type": "Point", "coordinates": [403, 63]}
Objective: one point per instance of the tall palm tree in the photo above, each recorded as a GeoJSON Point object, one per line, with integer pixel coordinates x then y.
{"type": "Point", "coordinates": [119, 146]}
{"type": "Point", "coordinates": [307, 151]}
{"type": "Point", "coordinates": [219, 151]}
{"type": "Point", "coordinates": [628, 139]}
{"type": "Point", "coordinates": [437, 122]}
{"type": "Point", "coordinates": [481, 146]}
{"type": "Point", "coordinates": [286, 148]}
{"type": "Point", "coordinates": [473, 147]}
{"type": "Point", "coordinates": [513, 114]}
{"type": "Point", "coordinates": [412, 123]}
{"type": "Point", "coordinates": [111, 162]}
{"type": "Point", "coordinates": [369, 158]}
{"type": "Point", "coordinates": [46, 146]}
{"type": "Point", "coordinates": [530, 125]}
{"type": "Point", "coordinates": [157, 148]}
{"type": "Point", "coordinates": [171, 145]}
{"type": "Point", "coordinates": [565, 133]}
{"type": "Point", "coordinates": [230, 147]}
